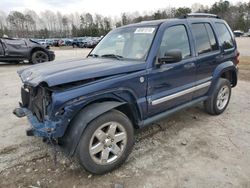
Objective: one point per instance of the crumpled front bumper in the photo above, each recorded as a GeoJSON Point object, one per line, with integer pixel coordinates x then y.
{"type": "Point", "coordinates": [45, 129]}
{"type": "Point", "coordinates": [51, 55]}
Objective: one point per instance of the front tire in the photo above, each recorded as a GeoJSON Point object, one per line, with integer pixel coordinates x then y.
{"type": "Point", "coordinates": [220, 98]}
{"type": "Point", "coordinates": [39, 57]}
{"type": "Point", "coordinates": [106, 142]}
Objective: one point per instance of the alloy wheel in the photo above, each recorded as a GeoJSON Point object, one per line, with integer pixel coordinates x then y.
{"type": "Point", "coordinates": [108, 143]}
{"type": "Point", "coordinates": [222, 97]}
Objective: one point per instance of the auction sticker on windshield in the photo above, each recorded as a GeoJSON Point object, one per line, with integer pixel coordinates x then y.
{"type": "Point", "coordinates": [145, 30]}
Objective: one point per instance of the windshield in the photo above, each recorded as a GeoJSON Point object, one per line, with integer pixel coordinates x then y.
{"type": "Point", "coordinates": [126, 43]}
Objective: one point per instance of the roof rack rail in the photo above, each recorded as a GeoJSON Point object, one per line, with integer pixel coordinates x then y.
{"type": "Point", "coordinates": [200, 15]}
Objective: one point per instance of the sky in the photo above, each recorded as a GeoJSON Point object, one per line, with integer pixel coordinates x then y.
{"type": "Point", "coordinates": [103, 7]}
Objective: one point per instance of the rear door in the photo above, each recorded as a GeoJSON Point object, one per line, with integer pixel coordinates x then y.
{"type": "Point", "coordinates": [170, 85]}
{"type": "Point", "coordinates": [208, 55]}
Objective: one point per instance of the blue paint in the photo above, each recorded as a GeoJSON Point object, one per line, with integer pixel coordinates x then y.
{"type": "Point", "coordinates": [114, 80]}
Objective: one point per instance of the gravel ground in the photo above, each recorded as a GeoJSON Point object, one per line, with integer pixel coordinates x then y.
{"type": "Point", "coordinates": [189, 149]}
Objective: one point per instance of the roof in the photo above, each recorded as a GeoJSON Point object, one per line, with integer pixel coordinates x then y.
{"type": "Point", "coordinates": [191, 16]}
{"type": "Point", "coordinates": [150, 23]}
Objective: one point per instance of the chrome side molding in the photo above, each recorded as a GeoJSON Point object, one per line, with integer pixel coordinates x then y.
{"type": "Point", "coordinates": [181, 93]}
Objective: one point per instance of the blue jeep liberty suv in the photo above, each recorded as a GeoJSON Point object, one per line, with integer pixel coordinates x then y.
{"type": "Point", "coordinates": [136, 75]}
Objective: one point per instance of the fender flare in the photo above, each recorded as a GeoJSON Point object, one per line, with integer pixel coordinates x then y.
{"type": "Point", "coordinates": [72, 136]}
{"type": "Point", "coordinates": [34, 49]}
{"type": "Point", "coordinates": [220, 69]}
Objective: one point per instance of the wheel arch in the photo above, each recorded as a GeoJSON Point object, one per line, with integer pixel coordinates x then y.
{"type": "Point", "coordinates": [225, 70]}
{"type": "Point", "coordinates": [230, 75]}
{"type": "Point", "coordinates": [71, 138]}
{"type": "Point", "coordinates": [91, 111]}
{"type": "Point", "coordinates": [130, 106]}
{"type": "Point", "coordinates": [34, 49]}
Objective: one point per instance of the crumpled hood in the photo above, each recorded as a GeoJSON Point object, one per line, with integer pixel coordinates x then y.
{"type": "Point", "coordinates": [61, 72]}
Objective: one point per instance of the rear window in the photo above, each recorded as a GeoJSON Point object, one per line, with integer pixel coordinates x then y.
{"type": "Point", "coordinates": [224, 37]}
{"type": "Point", "coordinates": [204, 37]}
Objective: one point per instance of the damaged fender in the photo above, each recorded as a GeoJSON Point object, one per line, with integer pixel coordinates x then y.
{"type": "Point", "coordinates": [74, 131]}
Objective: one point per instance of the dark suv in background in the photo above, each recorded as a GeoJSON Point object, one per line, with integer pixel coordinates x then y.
{"type": "Point", "coordinates": [18, 50]}
{"type": "Point", "coordinates": [136, 75]}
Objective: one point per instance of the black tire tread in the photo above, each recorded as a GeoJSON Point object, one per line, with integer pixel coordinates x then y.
{"type": "Point", "coordinates": [33, 54]}
{"type": "Point", "coordinates": [210, 104]}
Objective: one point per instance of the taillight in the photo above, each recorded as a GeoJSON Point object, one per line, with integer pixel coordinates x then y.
{"type": "Point", "coordinates": [237, 58]}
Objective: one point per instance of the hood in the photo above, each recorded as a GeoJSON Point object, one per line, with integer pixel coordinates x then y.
{"type": "Point", "coordinates": [62, 72]}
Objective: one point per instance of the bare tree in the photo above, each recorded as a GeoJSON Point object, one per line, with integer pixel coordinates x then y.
{"type": "Point", "coordinates": [50, 24]}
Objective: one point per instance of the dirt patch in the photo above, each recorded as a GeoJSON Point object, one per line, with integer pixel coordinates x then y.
{"type": "Point", "coordinates": [244, 68]}
{"type": "Point", "coordinates": [8, 150]}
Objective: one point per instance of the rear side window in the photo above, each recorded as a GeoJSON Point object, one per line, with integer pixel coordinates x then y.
{"type": "Point", "coordinates": [175, 37]}
{"type": "Point", "coordinates": [205, 39]}
{"type": "Point", "coordinates": [214, 45]}
{"type": "Point", "coordinates": [224, 37]}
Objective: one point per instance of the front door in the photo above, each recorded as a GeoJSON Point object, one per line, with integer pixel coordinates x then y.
{"type": "Point", "coordinates": [170, 85]}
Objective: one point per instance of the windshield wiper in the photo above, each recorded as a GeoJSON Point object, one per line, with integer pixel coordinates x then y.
{"type": "Point", "coordinates": [113, 56]}
{"type": "Point", "coordinates": [93, 55]}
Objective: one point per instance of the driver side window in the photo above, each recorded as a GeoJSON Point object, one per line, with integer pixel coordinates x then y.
{"type": "Point", "coordinates": [175, 38]}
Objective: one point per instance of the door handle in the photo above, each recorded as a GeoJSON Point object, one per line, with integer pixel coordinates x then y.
{"type": "Point", "coordinates": [219, 56]}
{"type": "Point", "coordinates": [189, 65]}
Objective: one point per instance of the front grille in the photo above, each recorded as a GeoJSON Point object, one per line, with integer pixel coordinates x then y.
{"type": "Point", "coordinates": [32, 98]}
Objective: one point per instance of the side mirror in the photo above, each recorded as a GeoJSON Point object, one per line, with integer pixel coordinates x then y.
{"type": "Point", "coordinates": [171, 56]}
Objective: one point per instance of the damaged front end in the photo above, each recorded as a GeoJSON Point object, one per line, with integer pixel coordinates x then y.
{"type": "Point", "coordinates": [36, 104]}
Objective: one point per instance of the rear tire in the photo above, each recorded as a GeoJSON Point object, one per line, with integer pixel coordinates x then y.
{"type": "Point", "coordinates": [39, 57]}
{"type": "Point", "coordinates": [106, 142]}
{"type": "Point", "coordinates": [220, 98]}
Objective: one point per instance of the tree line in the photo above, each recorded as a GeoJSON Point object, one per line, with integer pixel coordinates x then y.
{"type": "Point", "coordinates": [48, 24]}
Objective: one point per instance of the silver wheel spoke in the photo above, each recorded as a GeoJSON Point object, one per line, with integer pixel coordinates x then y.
{"type": "Point", "coordinates": [112, 129]}
{"type": "Point", "coordinates": [96, 148]}
{"type": "Point", "coordinates": [220, 103]}
{"type": "Point", "coordinates": [100, 135]}
{"type": "Point", "coordinates": [103, 147]}
{"type": "Point", "coordinates": [220, 96]}
{"type": "Point", "coordinates": [119, 137]}
{"type": "Point", "coordinates": [223, 97]}
{"type": "Point", "coordinates": [105, 155]}
{"type": "Point", "coordinates": [115, 149]}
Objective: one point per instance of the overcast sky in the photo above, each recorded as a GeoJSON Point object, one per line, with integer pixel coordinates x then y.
{"type": "Point", "coordinates": [104, 7]}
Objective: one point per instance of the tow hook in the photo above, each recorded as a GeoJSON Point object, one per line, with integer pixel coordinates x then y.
{"type": "Point", "coordinates": [30, 132]}
{"type": "Point", "coordinates": [19, 112]}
